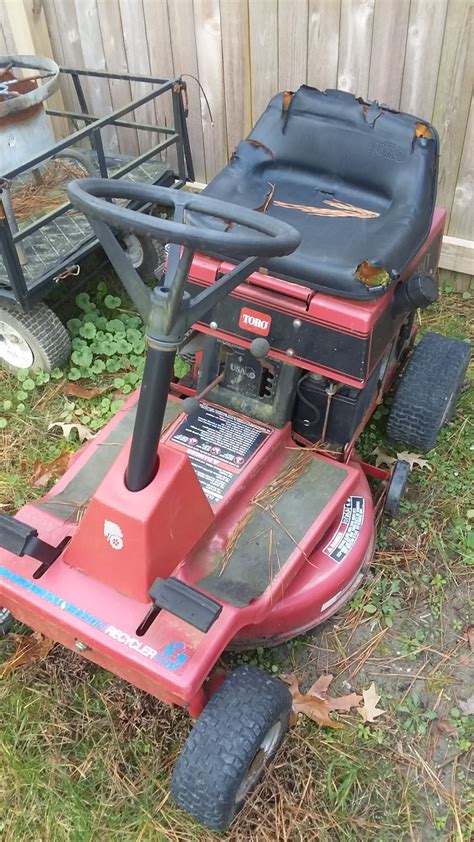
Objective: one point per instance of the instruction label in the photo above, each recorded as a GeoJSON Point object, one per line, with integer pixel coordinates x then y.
{"type": "Point", "coordinates": [219, 446]}
{"type": "Point", "coordinates": [348, 530]}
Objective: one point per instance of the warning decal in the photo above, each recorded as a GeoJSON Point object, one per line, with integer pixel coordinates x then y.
{"type": "Point", "coordinates": [219, 446]}
{"type": "Point", "coordinates": [348, 530]}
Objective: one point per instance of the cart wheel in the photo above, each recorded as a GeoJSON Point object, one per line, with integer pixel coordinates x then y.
{"type": "Point", "coordinates": [6, 622]}
{"type": "Point", "coordinates": [428, 392]}
{"type": "Point", "coordinates": [37, 339]}
{"type": "Point", "coordinates": [146, 255]}
{"type": "Point", "coordinates": [233, 740]}
{"type": "Point", "coordinates": [396, 487]}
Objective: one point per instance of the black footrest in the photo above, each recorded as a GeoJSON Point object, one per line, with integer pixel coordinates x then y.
{"type": "Point", "coordinates": [185, 602]}
{"type": "Point", "coordinates": [22, 539]}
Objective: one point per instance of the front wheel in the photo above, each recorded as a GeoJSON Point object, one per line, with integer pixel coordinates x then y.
{"type": "Point", "coordinates": [226, 754]}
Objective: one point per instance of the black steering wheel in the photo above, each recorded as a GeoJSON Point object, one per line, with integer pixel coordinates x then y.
{"type": "Point", "coordinates": [248, 232]}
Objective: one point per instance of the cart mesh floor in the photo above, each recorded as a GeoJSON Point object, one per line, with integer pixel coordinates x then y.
{"type": "Point", "coordinates": [47, 247]}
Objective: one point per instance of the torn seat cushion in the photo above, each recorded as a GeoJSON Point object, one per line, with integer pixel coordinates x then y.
{"type": "Point", "coordinates": [329, 146]}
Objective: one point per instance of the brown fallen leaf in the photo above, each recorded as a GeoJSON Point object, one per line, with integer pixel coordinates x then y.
{"type": "Point", "coordinates": [83, 432]}
{"type": "Point", "coordinates": [444, 726]}
{"type": "Point", "coordinates": [316, 703]}
{"type": "Point", "coordinates": [340, 703]}
{"type": "Point", "coordinates": [369, 710]}
{"type": "Point", "coordinates": [413, 459]}
{"type": "Point", "coordinates": [29, 649]}
{"type": "Point", "coordinates": [44, 473]}
{"type": "Point", "coordinates": [77, 390]}
{"type": "Point", "coordinates": [382, 458]}
{"type": "Point", "coordinates": [470, 637]}
{"type": "Point", "coordinates": [467, 706]}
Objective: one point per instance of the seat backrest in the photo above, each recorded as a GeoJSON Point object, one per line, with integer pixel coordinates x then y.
{"type": "Point", "coordinates": [339, 137]}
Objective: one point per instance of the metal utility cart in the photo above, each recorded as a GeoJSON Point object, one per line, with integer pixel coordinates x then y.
{"type": "Point", "coordinates": [42, 238]}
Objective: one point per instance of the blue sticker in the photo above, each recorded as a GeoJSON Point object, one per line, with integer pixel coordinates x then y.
{"type": "Point", "coordinates": [172, 656]}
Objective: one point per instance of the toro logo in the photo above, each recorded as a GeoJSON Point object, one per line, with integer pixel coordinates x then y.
{"type": "Point", "coordinates": [254, 321]}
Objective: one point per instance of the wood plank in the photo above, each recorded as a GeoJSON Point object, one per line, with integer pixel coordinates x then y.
{"type": "Point", "coordinates": [462, 215]}
{"type": "Point", "coordinates": [8, 44]}
{"type": "Point", "coordinates": [33, 18]}
{"type": "Point", "coordinates": [110, 21]}
{"type": "Point", "coordinates": [263, 24]}
{"type": "Point", "coordinates": [323, 43]}
{"type": "Point", "coordinates": [236, 57]}
{"type": "Point", "coordinates": [423, 50]}
{"type": "Point", "coordinates": [55, 34]}
{"type": "Point", "coordinates": [65, 38]}
{"type": "Point", "coordinates": [211, 75]}
{"type": "Point", "coordinates": [457, 255]}
{"type": "Point", "coordinates": [453, 98]}
{"type": "Point", "coordinates": [21, 25]}
{"type": "Point", "coordinates": [388, 51]}
{"type": "Point", "coordinates": [183, 44]}
{"type": "Point", "coordinates": [161, 65]}
{"type": "Point", "coordinates": [90, 35]}
{"type": "Point", "coordinates": [136, 50]}
{"type": "Point", "coordinates": [357, 19]}
{"type": "Point", "coordinates": [292, 44]}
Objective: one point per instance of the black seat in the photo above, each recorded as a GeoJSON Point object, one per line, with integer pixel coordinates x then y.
{"type": "Point", "coordinates": [325, 151]}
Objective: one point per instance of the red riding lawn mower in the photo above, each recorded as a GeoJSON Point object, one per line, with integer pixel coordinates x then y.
{"type": "Point", "coordinates": [232, 509]}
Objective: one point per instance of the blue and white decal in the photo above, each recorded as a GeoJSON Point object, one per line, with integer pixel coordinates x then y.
{"type": "Point", "coordinates": [172, 656]}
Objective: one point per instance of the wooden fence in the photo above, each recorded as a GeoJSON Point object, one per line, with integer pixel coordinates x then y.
{"type": "Point", "coordinates": [412, 54]}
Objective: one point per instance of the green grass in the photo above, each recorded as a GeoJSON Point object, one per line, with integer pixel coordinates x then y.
{"type": "Point", "coordinates": [85, 756]}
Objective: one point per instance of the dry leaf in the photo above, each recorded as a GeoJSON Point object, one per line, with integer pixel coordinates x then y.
{"type": "Point", "coordinates": [29, 649]}
{"type": "Point", "coordinates": [444, 726]}
{"type": "Point", "coordinates": [369, 710]}
{"type": "Point", "coordinates": [83, 432]}
{"type": "Point", "coordinates": [44, 473]}
{"type": "Point", "coordinates": [383, 458]}
{"type": "Point", "coordinates": [316, 703]}
{"type": "Point", "coordinates": [470, 637]}
{"type": "Point", "coordinates": [413, 459]}
{"type": "Point", "coordinates": [76, 390]}
{"type": "Point", "coordinates": [467, 707]}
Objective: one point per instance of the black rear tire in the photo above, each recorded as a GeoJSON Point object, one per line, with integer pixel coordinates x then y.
{"type": "Point", "coordinates": [425, 400]}
{"type": "Point", "coordinates": [224, 757]}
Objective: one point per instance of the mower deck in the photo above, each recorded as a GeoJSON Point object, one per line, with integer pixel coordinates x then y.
{"type": "Point", "coordinates": [290, 531]}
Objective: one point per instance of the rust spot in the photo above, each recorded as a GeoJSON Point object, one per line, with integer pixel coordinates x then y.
{"type": "Point", "coordinates": [372, 276]}
{"type": "Point", "coordinates": [260, 146]}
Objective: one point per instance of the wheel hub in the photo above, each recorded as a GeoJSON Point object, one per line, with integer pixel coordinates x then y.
{"type": "Point", "coordinates": [261, 756]}
{"type": "Point", "coordinates": [14, 349]}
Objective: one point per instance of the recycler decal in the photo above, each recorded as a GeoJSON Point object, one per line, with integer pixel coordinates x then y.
{"type": "Point", "coordinates": [172, 656]}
